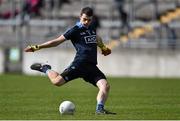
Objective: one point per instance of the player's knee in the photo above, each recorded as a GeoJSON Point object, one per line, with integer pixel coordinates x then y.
{"type": "Point", "coordinates": [58, 81]}
{"type": "Point", "coordinates": [107, 87]}
{"type": "Point", "coordinates": [103, 85]}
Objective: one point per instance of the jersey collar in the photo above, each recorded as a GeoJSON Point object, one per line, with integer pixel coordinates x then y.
{"type": "Point", "coordinates": [80, 25]}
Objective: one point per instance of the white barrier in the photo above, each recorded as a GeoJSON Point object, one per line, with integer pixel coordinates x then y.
{"type": "Point", "coordinates": [132, 63]}
{"type": "Point", "coordinates": [1, 60]}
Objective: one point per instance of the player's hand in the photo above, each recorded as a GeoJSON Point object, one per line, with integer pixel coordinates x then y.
{"type": "Point", "coordinates": [106, 51]}
{"type": "Point", "coordinates": [31, 48]}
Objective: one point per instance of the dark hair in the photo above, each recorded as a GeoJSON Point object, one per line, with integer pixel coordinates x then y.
{"type": "Point", "coordinates": [87, 10]}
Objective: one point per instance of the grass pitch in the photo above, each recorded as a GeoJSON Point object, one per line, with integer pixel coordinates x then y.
{"type": "Point", "coordinates": [34, 97]}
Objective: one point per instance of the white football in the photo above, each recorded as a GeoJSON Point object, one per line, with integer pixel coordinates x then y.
{"type": "Point", "coordinates": [67, 107]}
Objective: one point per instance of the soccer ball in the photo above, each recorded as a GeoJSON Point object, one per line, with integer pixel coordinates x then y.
{"type": "Point", "coordinates": [67, 107]}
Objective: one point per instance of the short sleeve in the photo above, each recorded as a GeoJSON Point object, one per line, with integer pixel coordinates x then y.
{"type": "Point", "coordinates": [69, 34]}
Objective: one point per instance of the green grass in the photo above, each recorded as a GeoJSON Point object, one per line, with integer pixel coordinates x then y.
{"type": "Point", "coordinates": [34, 97]}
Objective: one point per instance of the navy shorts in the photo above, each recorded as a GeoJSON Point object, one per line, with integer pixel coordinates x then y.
{"type": "Point", "coordinates": [89, 72]}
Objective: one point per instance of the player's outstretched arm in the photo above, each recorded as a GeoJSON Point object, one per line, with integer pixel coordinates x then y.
{"type": "Point", "coordinates": [48, 44]}
{"type": "Point", "coordinates": [105, 50]}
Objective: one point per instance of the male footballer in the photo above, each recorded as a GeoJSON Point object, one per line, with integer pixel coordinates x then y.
{"type": "Point", "coordinates": [84, 39]}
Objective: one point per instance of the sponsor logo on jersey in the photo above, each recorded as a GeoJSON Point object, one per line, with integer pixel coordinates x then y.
{"type": "Point", "coordinates": [90, 39]}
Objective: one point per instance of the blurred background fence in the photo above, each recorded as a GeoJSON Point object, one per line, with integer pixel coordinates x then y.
{"type": "Point", "coordinates": [143, 34]}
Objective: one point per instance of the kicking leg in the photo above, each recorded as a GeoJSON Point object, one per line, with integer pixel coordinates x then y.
{"type": "Point", "coordinates": [55, 77]}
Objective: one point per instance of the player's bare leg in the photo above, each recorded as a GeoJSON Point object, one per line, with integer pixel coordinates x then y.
{"type": "Point", "coordinates": [104, 88]}
{"type": "Point", "coordinates": [55, 77]}
{"type": "Point", "coordinates": [102, 96]}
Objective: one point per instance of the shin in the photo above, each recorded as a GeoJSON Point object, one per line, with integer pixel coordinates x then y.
{"type": "Point", "coordinates": [104, 88]}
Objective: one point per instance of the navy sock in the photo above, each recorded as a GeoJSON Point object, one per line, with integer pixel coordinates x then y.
{"type": "Point", "coordinates": [99, 107]}
{"type": "Point", "coordinates": [44, 69]}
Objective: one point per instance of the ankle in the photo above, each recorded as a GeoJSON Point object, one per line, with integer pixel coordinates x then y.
{"type": "Point", "coordinates": [99, 107]}
{"type": "Point", "coordinates": [45, 69]}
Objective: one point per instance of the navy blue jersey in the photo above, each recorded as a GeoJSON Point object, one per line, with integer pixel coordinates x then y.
{"type": "Point", "coordinates": [84, 41]}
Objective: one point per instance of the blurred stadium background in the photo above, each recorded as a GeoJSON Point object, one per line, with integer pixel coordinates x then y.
{"type": "Point", "coordinates": [143, 34]}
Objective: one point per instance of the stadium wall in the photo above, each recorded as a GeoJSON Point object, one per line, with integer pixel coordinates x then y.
{"type": "Point", "coordinates": [123, 62]}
